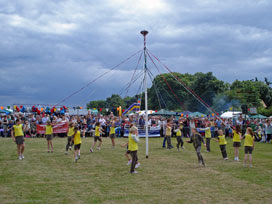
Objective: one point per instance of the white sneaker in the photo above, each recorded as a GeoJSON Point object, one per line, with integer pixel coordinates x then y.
{"type": "Point", "coordinates": [129, 162]}
{"type": "Point", "coordinates": [20, 158]}
{"type": "Point", "coordinates": [134, 172]}
{"type": "Point", "coordinates": [66, 152]}
{"type": "Point", "coordinates": [91, 150]}
{"type": "Point", "coordinates": [226, 158]}
{"type": "Point", "coordinates": [250, 165]}
{"type": "Point", "coordinates": [98, 148]}
{"type": "Point", "coordinates": [76, 160]}
{"type": "Point", "coordinates": [137, 165]}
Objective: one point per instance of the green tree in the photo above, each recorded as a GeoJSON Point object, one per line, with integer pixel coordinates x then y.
{"type": "Point", "coordinates": [206, 86]}
{"type": "Point", "coordinates": [96, 104]}
{"type": "Point", "coordinates": [247, 92]}
{"type": "Point", "coordinates": [166, 92]}
{"type": "Point", "coordinates": [216, 93]}
{"type": "Point", "coordinates": [114, 101]}
{"type": "Point", "coordinates": [266, 94]}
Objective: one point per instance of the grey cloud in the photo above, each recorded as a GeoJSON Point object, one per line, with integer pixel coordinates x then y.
{"type": "Point", "coordinates": [50, 49]}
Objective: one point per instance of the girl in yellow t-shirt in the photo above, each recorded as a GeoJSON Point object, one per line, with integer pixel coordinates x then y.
{"type": "Point", "coordinates": [18, 137]}
{"type": "Point", "coordinates": [97, 136]}
{"type": "Point", "coordinates": [249, 145]}
{"type": "Point", "coordinates": [133, 140]}
{"type": "Point", "coordinates": [178, 132]}
{"type": "Point", "coordinates": [222, 144]}
{"type": "Point", "coordinates": [168, 133]}
{"type": "Point", "coordinates": [236, 141]}
{"type": "Point", "coordinates": [48, 135]}
{"type": "Point", "coordinates": [70, 134]}
{"type": "Point", "coordinates": [112, 134]}
{"type": "Point", "coordinates": [77, 143]}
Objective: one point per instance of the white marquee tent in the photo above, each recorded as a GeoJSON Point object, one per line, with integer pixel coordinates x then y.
{"type": "Point", "coordinates": [230, 114]}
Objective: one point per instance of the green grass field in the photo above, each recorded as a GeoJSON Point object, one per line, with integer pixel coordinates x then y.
{"type": "Point", "coordinates": [168, 176]}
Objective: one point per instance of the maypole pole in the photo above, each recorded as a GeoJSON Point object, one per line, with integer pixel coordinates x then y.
{"type": "Point", "coordinates": [144, 33]}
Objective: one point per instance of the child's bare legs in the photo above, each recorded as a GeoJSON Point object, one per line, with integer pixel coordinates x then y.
{"type": "Point", "coordinates": [75, 154]}
{"type": "Point", "coordinates": [127, 156]}
{"type": "Point", "coordinates": [51, 144]}
{"type": "Point", "coordinates": [250, 160]}
{"type": "Point", "coordinates": [236, 152]}
{"type": "Point", "coordinates": [93, 145]}
{"type": "Point", "coordinates": [100, 143]}
{"type": "Point", "coordinates": [48, 145]}
{"type": "Point", "coordinates": [113, 142]}
{"type": "Point", "coordinates": [22, 148]}
{"type": "Point", "coordinates": [245, 160]}
{"type": "Point", "coordinates": [19, 150]}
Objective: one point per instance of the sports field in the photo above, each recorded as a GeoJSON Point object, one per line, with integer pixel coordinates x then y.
{"type": "Point", "coordinates": [168, 176]}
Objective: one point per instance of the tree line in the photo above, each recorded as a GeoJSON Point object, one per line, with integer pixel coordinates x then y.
{"type": "Point", "coordinates": [167, 93]}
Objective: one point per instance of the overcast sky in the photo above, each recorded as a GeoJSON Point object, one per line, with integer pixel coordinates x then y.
{"type": "Point", "coordinates": [49, 49]}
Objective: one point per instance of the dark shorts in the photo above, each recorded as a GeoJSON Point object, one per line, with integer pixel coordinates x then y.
{"type": "Point", "coordinates": [97, 138]}
{"type": "Point", "coordinates": [248, 150]}
{"type": "Point", "coordinates": [77, 147]}
{"type": "Point", "coordinates": [236, 144]}
{"type": "Point", "coordinates": [48, 137]}
{"type": "Point", "coordinates": [112, 136]}
{"type": "Point", "coordinates": [19, 140]}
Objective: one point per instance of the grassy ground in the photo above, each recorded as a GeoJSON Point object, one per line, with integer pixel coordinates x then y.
{"type": "Point", "coordinates": [168, 176]}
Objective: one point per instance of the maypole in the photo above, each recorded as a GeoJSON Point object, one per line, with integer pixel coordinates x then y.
{"type": "Point", "coordinates": [144, 33]}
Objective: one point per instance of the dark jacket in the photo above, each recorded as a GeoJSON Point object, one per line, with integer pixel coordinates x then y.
{"type": "Point", "coordinates": [196, 139]}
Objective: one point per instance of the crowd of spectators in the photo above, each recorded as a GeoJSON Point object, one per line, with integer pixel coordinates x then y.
{"type": "Point", "coordinates": [86, 123]}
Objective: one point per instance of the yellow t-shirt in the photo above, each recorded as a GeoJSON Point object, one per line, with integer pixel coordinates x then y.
{"type": "Point", "coordinates": [97, 133]}
{"type": "Point", "coordinates": [260, 135]}
{"type": "Point", "coordinates": [222, 140]}
{"type": "Point", "coordinates": [208, 133]}
{"type": "Point", "coordinates": [48, 130]}
{"type": "Point", "coordinates": [132, 145]}
{"type": "Point", "coordinates": [178, 133]}
{"type": "Point", "coordinates": [77, 139]}
{"type": "Point", "coordinates": [168, 131]}
{"type": "Point", "coordinates": [248, 140]}
{"type": "Point", "coordinates": [112, 130]}
{"type": "Point", "coordinates": [71, 131]}
{"type": "Point", "coordinates": [18, 130]}
{"type": "Point", "coordinates": [236, 137]}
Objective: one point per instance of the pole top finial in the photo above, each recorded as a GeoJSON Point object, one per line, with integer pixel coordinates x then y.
{"type": "Point", "coordinates": [144, 32]}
